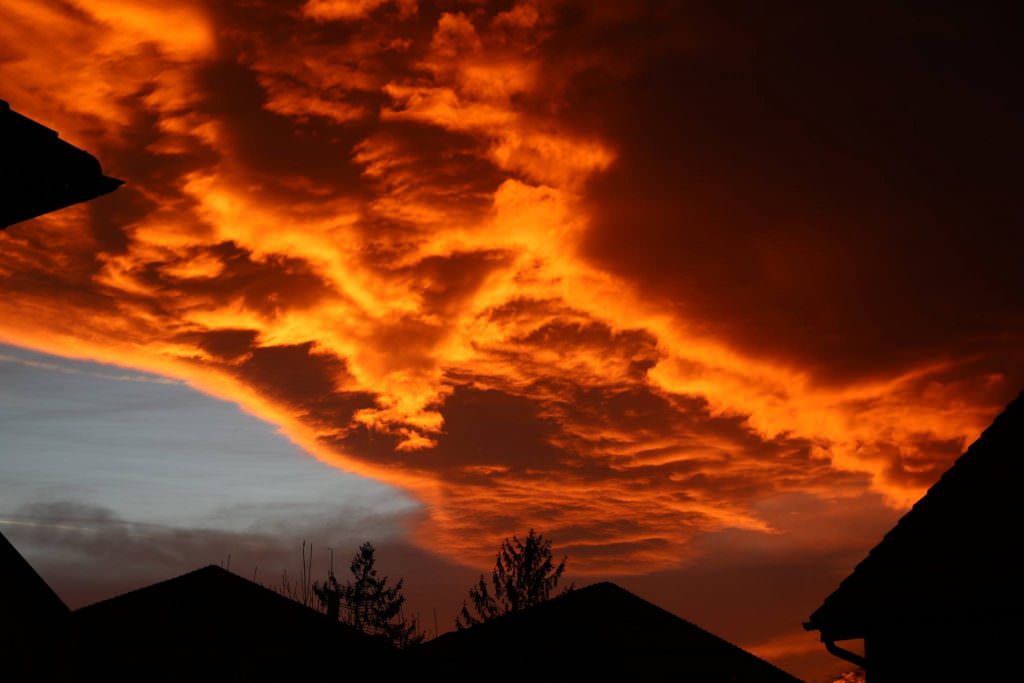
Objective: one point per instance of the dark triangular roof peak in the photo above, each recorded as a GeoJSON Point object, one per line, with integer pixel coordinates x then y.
{"type": "Point", "coordinates": [952, 555]}
{"type": "Point", "coordinates": [602, 630]}
{"type": "Point", "coordinates": [211, 592]}
{"type": "Point", "coordinates": [27, 600]}
{"type": "Point", "coordinates": [211, 624]}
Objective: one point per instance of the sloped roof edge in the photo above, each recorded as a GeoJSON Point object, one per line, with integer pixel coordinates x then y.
{"type": "Point", "coordinates": [41, 173]}
{"type": "Point", "coordinates": [840, 615]}
{"type": "Point", "coordinates": [28, 587]}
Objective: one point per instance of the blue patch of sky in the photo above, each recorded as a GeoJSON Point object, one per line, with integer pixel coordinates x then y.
{"type": "Point", "coordinates": [153, 450]}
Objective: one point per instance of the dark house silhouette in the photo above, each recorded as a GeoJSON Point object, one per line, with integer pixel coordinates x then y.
{"type": "Point", "coordinates": [208, 624]}
{"type": "Point", "coordinates": [30, 613]}
{"type": "Point", "coordinates": [40, 173]}
{"type": "Point", "coordinates": [216, 625]}
{"type": "Point", "coordinates": [939, 598]}
{"type": "Point", "coordinates": [601, 632]}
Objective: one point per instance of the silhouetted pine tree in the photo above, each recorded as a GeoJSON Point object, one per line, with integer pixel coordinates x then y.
{"type": "Point", "coordinates": [367, 602]}
{"type": "Point", "coordinates": [524, 575]}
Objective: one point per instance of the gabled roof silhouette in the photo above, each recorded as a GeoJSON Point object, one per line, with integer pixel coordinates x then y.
{"type": "Point", "coordinates": [40, 173]}
{"type": "Point", "coordinates": [951, 558]}
{"type": "Point", "coordinates": [211, 590]}
{"type": "Point", "coordinates": [32, 618]}
{"type": "Point", "coordinates": [601, 630]}
{"type": "Point", "coordinates": [211, 623]}
{"type": "Point", "coordinates": [25, 598]}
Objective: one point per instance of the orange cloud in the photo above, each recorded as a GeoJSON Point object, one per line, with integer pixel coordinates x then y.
{"type": "Point", "coordinates": [488, 256]}
{"type": "Point", "coordinates": [351, 10]}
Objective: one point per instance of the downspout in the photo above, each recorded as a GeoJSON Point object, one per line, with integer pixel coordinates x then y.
{"type": "Point", "coordinates": [843, 653]}
{"type": "Point", "coordinates": [835, 650]}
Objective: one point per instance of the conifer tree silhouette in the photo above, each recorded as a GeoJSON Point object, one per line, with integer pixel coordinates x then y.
{"type": "Point", "coordinates": [367, 602]}
{"type": "Point", "coordinates": [524, 575]}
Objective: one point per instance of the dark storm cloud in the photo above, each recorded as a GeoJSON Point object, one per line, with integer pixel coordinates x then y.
{"type": "Point", "coordinates": [831, 187]}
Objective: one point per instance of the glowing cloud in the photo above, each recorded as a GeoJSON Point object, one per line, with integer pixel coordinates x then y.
{"type": "Point", "coordinates": [435, 245]}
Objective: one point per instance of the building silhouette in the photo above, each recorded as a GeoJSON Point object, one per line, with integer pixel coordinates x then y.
{"type": "Point", "coordinates": [939, 597]}
{"type": "Point", "coordinates": [212, 624]}
{"type": "Point", "coordinates": [31, 614]}
{"type": "Point", "coordinates": [40, 173]}
{"type": "Point", "coordinates": [209, 624]}
{"type": "Point", "coordinates": [600, 632]}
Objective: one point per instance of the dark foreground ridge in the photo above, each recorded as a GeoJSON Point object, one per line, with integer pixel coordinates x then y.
{"type": "Point", "coordinates": [940, 595]}
{"type": "Point", "coordinates": [40, 173]}
{"type": "Point", "coordinates": [601, 632]}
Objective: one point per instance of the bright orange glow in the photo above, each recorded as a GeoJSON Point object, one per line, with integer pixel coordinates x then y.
{"type": "Point", "coordinates": [371, 226]}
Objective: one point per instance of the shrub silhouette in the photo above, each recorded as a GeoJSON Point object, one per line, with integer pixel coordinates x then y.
{"type": "Point", "coordinates": [524, 575]}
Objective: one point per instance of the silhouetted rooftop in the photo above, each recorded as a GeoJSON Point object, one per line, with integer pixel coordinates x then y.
{"type": "Point", "coordinates": [40, 173]}
{"type": "Point", "coordinates": [211, 590]}
{"type": "Point", "coordinates": [601, 630]}
{"type": "Point", "coordinates": [211, 623]}
{"type": "Point", "coordinates": [25, 598]}
{"type": "Point", "coordinates": [952, 557]}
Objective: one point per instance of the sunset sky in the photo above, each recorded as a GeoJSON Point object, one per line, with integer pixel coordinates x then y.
{"type": "Point", "coordinates": [708, 293]}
